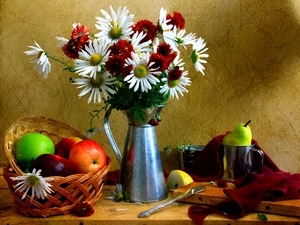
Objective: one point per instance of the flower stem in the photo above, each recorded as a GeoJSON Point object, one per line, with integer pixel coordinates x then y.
{"type": "Point", "coordinates": [68, 67]}
{"type": "Point", "coordinates": [94, 114]}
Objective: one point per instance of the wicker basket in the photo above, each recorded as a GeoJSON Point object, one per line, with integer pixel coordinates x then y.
{"type": "Point", "coordinates": [67, 191]}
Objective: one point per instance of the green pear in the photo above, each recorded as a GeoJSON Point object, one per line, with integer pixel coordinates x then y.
{"type": "Point", "coordinates": [241, 135]}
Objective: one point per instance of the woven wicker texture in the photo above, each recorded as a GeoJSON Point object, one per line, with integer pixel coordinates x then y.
{"type": "Point", "coordinates": [67, 191]}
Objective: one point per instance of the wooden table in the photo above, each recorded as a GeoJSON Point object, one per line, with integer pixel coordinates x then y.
{"type": "Point", "coordinates": [108, 212]}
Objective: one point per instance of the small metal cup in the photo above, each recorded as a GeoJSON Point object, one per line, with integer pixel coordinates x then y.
{"type": "Point", "coordinates": [238, 161]}
{"type": "Point", "coordinates": [189, 155]}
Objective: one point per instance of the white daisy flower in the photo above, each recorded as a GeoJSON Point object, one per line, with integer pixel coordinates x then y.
{"type": "Point", "coordinates": [169, 36]}
{"type": "Point", "coordinates": [92, 58]}
{"type": "Point", "coordinates": [155, 44]}
{"type": "Point", "coordinates": [40, 58]}
{"type": "Point", "coordinates": [183, 40]}
{"type": "Point", "coordinates": [174, 86]}
{"type": "Point", "coordinates": [162, 16]}
{"type": "Point", "coordinates": [175, 39]}
{"type": "Point", "coordinates": [96, 86]}
{"type": "Point", "coordinates": [34, 181]}
{"type": "Point", "coordinates": [142, 76]}
{"type": "Point", "coordinates": [177, 62]}
{"type": "Point", "coordinates": [140, 47]}
{"type": "Point", "coordinates": [118, 194]}
{"type": "Point", "coordinates": [198, 55]}
{"type": "Point", "coordinates": [93, 131]}
{"type": "Point", "coordinates": [62, 41]}
{"type": "Point", "coordinates": [75, 25]}
{"type": "Point", "coordinates": [115, 27]}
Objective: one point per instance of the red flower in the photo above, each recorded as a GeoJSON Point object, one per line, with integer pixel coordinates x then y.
{"type": "Point", "coordinates": [153, 122]}
{"type": "Point", "coordinates": [160, 62]}
{"type": "Point", "coordinates": [164, 49]}
{"type": "Point", "coordinates": [127, 70]}
{"type": "Point", "coordinates": [121, 48]}
{"type": "Point", "coordinates": [175, 73]}
{"type": "Point", "coordinates": [221, 183]}
{"type": "Point", "coordinates": [83, 209]}
{"type": "Point", "coordinates": [71, 49]}
{"type": "Point", "coordinates": [79, 38]}
{"type": "Point", "coordinates": [176, 20]}
{"type": "Point", "coordinates": [115, 64]}
{"type": "Point", "coordinates": [147, 27]}
{"type": "Point", "coordinates": [81, 34]}
{"type": "Point", "coordinates": [119, 51]}
{"type": "Point", "coordinates": [171, 57]}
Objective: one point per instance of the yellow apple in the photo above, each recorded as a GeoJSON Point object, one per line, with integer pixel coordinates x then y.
{"type": "Point", "coordinates": [64, 146]}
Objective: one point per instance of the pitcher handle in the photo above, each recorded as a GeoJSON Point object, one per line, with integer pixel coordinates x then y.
{"type": "Point", "coordinates": [110, 136]}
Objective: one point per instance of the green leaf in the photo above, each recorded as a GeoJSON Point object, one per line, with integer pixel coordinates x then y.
{"type": "Point", "coordinates": [262, 217]}
{"type": "Point", "coordinates": [126, 98]}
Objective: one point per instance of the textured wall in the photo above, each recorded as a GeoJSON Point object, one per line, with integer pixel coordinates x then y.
{"type": "Point", "coordinates": [253, 71]}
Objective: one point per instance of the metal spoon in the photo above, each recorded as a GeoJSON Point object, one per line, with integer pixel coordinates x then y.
{"type": "Point", "coordinates": [187, 193]}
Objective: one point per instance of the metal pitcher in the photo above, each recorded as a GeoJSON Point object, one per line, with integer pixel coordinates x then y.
{"type": "Point", "coordinates": [141, 172]}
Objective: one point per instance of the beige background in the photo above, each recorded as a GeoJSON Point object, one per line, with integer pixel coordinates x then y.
{"type": "Point", "coordinates": [253, 71]}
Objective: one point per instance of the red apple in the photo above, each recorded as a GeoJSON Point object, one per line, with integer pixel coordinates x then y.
{"type": "Point", "coordinates": [87, 156]}
{"type": "Point", "coordinates": [53, 165]}
{"type": "Point", "coordinates": [64, 146]}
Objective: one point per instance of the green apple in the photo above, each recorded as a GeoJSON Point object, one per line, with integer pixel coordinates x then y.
{"type": "Point", "coordinates": [30, 146]}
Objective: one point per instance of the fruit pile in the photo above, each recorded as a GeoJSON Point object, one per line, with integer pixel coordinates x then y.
{"type": "Point", "coordinates": [69, 156]}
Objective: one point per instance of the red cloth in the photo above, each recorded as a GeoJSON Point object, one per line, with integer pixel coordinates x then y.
{"type": "Point", "coordinates": [112, 177]}
{"type": "Point", "coordinates": [270, 183]}
{"type": "Point", "coordinates": [208, 167]}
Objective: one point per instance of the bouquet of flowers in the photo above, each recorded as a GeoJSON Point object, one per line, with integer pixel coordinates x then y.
{"type": "Point", "coordinates": [126, 65]}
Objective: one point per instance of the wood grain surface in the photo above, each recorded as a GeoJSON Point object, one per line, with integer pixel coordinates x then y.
{"type": "Point", "coordinates": [108, 212]}
{"type": "Point", "coordinates": [213, 195]}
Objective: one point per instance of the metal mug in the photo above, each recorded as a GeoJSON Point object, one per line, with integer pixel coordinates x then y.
{"type": "Point", "coordinates": [238, 161]}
